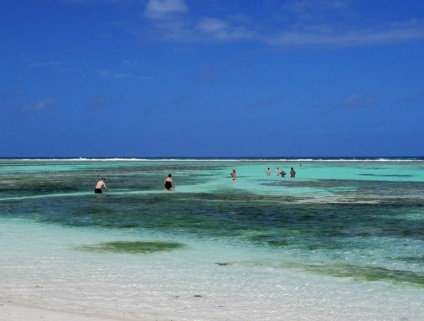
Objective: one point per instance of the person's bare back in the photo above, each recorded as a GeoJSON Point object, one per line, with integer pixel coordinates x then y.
{"type": "Point", "coordinates": [101, 184]}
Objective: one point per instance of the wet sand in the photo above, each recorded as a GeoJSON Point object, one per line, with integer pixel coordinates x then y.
{"type": "Point", "coordinates": [10, 311]}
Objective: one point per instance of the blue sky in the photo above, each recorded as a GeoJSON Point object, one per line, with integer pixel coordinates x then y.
{"type": "Point", "coordinates": [140, 78]}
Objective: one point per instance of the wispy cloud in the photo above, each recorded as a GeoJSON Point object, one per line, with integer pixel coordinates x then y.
{"type": "Point", "coordinates": [305, 23]}
{"type": "Point", "coordinates": [295, 23]}
{"type": "Point", "coordinates": [40, 105]}
{"type": "Point", "coordinates": [221, 30]}
{"type": "Point", "coordinates": [171, 19]}
{"type": "Point", "coordinates": [168, 20]}
{"type": "Point", "coordinates": [164, 9]}
{"type": "Point", "coordinates": [328, 35]}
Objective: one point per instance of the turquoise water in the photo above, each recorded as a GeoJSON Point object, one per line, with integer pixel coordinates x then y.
{"type": "Point", "coordinates": [343, 239]}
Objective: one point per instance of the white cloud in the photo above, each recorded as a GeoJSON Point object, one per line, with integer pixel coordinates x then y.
{"type": "Point", "coordinates": [326, 23]}
{"type": "Point", "coordinates": [162, 9]}
{"type": "Point", "coordinates": [221, 30]}
{"type": "Point", "coordinates": [396, 33]}
{"type": "Point", "coordinates": [168, 20]}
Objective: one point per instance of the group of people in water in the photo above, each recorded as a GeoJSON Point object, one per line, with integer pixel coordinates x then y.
{"type": "Point", "coordinates": [281, 172]}
{"type": "Point", "coordinates": [169, 185]}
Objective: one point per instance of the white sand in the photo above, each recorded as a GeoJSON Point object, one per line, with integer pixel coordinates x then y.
{"type": "Point", "coordinates": [18, 312]}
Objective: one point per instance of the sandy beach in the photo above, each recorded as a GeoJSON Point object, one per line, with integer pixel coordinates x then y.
{"type": "Point", "coordinates": [10, 311]}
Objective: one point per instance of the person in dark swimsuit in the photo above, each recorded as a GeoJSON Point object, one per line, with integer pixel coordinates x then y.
{"type": "Point", "coordinates": [100, 184]}
{"type": "Point", "coordinates": [169, 183]}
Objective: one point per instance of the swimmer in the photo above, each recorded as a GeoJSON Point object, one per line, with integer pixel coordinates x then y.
{"type": "Point", "coordinates": [234, 175]}
{"type": "Point", "coordinates": [169, 183]}
{"type": "Point", "coordinates": [101, 184]}
{"type": "Point", "coordinates": [292, 172]}
{"type": "Point", "coordinates": [268, 171]}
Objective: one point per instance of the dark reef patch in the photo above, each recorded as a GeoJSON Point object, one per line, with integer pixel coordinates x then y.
{"type": "Point", "coordinates": [137, 247]}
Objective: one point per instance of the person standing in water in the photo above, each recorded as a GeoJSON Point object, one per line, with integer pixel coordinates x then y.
{"type": "Point", "coordinates": [101, 184]}
{"type": "Point", "coordinates": [234, 175]}
{"type": "Point", "coordinates": [169, 183]}
{"type": "Point", "coordinates": [292, 172]}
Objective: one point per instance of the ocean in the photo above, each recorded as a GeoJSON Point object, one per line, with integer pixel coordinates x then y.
{"type": "Point", "coordinates": [342, 240]}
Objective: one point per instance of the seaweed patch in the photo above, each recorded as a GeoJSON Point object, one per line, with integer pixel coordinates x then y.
{"type": "Point", "coordinates": [137, 247]}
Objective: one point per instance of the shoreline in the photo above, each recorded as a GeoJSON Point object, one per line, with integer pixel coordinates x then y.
{"type": "Point", "coordinates": [12, 311]}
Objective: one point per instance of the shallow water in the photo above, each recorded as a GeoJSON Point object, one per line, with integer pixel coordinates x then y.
{"type": "Point", "coordinates": [341, 240]}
